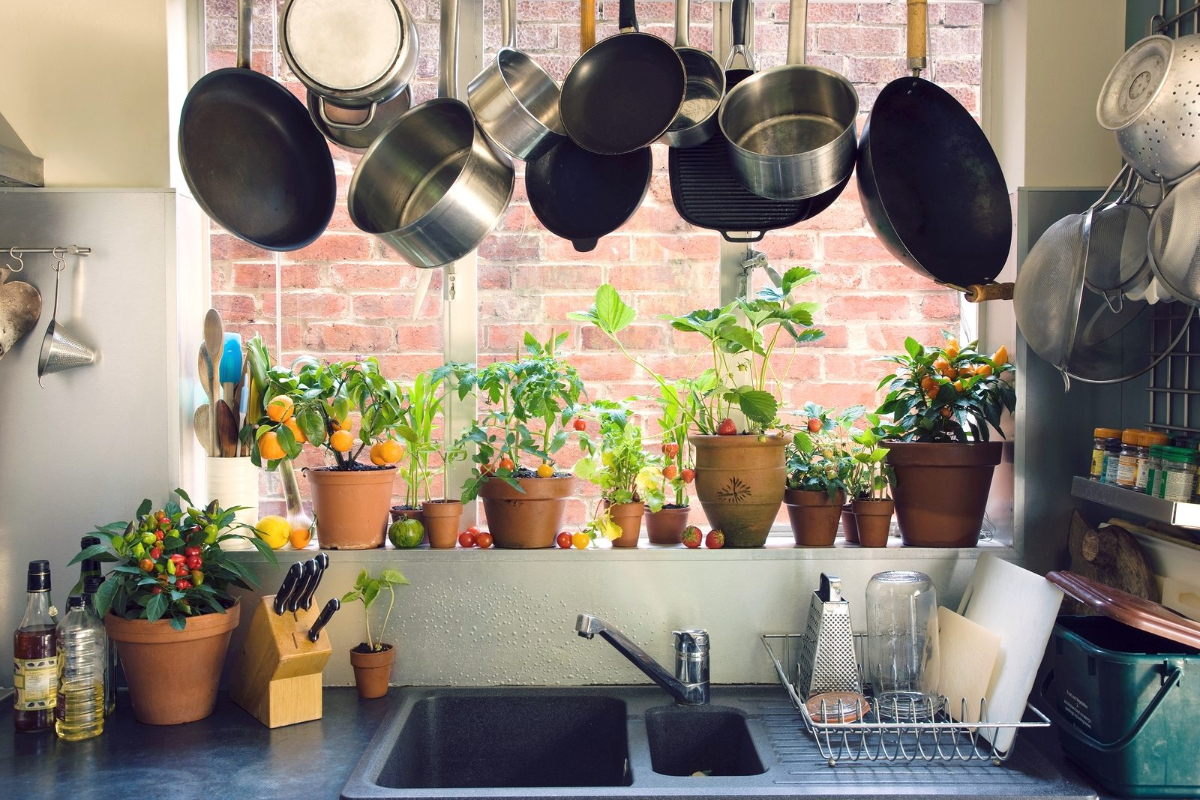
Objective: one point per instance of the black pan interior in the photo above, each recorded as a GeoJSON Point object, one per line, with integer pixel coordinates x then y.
{"type": "Point", "coordinates": [254, 160]}
{"type": "Point", "coordinates": [940, 183]}
{"type": "Point", "coordinates": [581, 196]}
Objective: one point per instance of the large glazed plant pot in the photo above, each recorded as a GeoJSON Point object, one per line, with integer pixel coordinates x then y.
{"type": "Point", "coordinates": [351, 506]}
{"type": "Point", "coordinates": [441, 522]}
{"type": "Point", "coordinates": [941, 490]}
{"type": "Point", "coordinates": [740, 483]}
{"type": "Point", "coordinates": [849, 524]}
{"type": "Point", "coordinates": [874, 521]}
{"type": "Point", "coordinates": [665, 526]}
{"type": "Point", "coordinates": [173, 675]}
{"type": "Point", "coordinates": [814, 516]}
{"type": "Point", "coordinates": [372, 670]}
{"type": "Point", "coordinates": [530, 519]}
{"type": "Point", "coordinates": [628, 517]}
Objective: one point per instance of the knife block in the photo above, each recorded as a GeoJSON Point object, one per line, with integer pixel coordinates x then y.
{"type": "Point", "coordinates": [278, 674]}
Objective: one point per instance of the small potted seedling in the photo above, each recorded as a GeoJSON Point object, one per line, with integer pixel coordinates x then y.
{"type": "Point", "coordinates": [872, 504]}
{"type": "Point", "coordinates": [819, 468]}
{"type": "Point", "coordinates": [372, 659]}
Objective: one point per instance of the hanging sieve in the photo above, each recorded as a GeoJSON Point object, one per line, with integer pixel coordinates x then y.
{"type": "Point", "coordinates": [1174, 241]}
{"type": "Point", "coordinates": [60, 349]}
{"type": "Point", "coordinates": [1100, 355]}
{"type": "Point", "coordinates": [1049, 289]}
{"type": "Point", "coordinates": [1115, 262]}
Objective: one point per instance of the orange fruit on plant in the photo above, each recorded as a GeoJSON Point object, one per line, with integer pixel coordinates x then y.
{"type": "Point", "coordinates": [544, 470]}
{"type": "Point", "coordinates": [280, 408]}
{"type": "Point", "coordinates": [983, 369]}
{"type": "Point", "coordinates": [951, 349]}
{"type": "Point", "coordinates": [506, 463]}
{"type": "Point", "coordinates": [946, 412]}
{"type": "Point", "coordinates": [341, 441]}
{"type": "Point", "coordinates": [377, 454]}
{"type": "Point", "coordinates": [270, 448]}
{"type": "Point", "coordinates": [966, 372]}
{"type": "Point", "coordinates": [294, 427]}
{"type": "Point", "coordinates": [670, 472]}
{"type": "Point", "coordinates": [1001, 356]}
{"type": "Point", "coordinates": [958, 386]}
{"type": "Point", "coordinates": [929, 384]}
{"type": "Point", "coordinates": [391, 451]}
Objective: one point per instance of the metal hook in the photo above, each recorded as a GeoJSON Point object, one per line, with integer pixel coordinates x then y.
{"type": "Point", "coordinates": [12, 253]}
{"type": "Point", "coordinates": [62, 262]}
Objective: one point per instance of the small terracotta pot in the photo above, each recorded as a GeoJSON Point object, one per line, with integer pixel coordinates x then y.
{"type": "Point", "coordinates": [740, 482]}
{"type": "Point", "coordinates": [528, 519]}
{"type": "Point", "coordinates": [874, 521]}
{"type": "Point", "coordinates": [849, 524]}
{"type": "Point", "coordinates": [441, 522]}
{"type": "Point", "coordinates": [941, 490]}
{"type": "Point", "coordinates": [173, 675]}
{"type": "Point", "coordinates": [629, 517]}
{"type": "Point", "coordinates": [373, 671]}
{"type": "Point", "coordinates": [351, 506]}
{"type": "Point", "coordinates": [814, 516]}
{"type": "Point", "coordinates": [666, 525]}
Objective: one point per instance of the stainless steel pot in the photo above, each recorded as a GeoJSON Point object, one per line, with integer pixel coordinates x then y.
{"type": "Point", "coordinates": [433, 186]}
{"type": "Point", "coordinates": [515, 101]}
{"type": "Point", "coordinates": [696, 121]}
{"type": "Point", "coordinates": [791, 129]}
{"type": "Point", "coordinates": [354, 129]}
{"type": "Point", "coordinates": [353, 54]}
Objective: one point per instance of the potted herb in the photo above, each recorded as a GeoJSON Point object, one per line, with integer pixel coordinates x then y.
{"type": "Point", "coordinates": [665, 526]}
{"type": "Point", "coordinates": [739, 479]}
{"type": "Point", "coordinates": [819, 470]}
{"type": "Point", "coordinates": [944, 401]}
{"type": "Point", "coordinates": [167, 604]}
{"type": "Point", "coordinates": [313, 406]}
{"type": "Point", "coordinates": [872, 506]}
{"type": "Point", "coordinates": [528, 405]}
{"type": "Point", "coordinates": [372, 659]}
{"type": "Point", "coordinates": [616, 461]}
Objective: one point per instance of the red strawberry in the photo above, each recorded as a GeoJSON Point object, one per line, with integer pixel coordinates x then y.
{"type": "Point", "coordinates": [670, 449]}
{"type": "Point", "coordinates": [692, 536]}
{"type": "Point", "coordinates": [715, 540]}
{"type": "Point", "coordinates": [689, 475]}
{"type": "Point", "coordinates": [814, 425]}
{"type": "Point", "coordinates": [726, 428]}
{"type": "Point", "coordinates": [670, 471]}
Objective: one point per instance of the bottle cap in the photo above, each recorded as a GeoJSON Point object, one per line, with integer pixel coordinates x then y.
{"type": "Point", "coordinates": [88, 541]}
{"type": "Point", "coordinates": [75, 601]}
{"type": "Point", "coordinates": [1107, 433]}
{"type": "Point", "coordinates": [1130, 436]}
{"type": "Point", "coordinates": [39, 576]}
{"type": "Point", "coordinates": [91, 584]}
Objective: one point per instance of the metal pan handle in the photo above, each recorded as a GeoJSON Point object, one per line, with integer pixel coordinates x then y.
{"type": "Point", "coordinates": [245, 33]}
{"type": "Point", "coordinates": [508, 24]}
{"type": "Point", "coordinates": [740, 56]}
{"type": "Point", "coordinates": [797, 50]}
{"type": "Point", "coordinates": [627, 16]}
{"type": "Point", "coordinates": [346, 126]}
{"type": "Point", "coordinates": [448, 52]}
{"type": "Point", "coordinates": [918, 23]}
{"type": "Point", "coordinates": [683, 19]}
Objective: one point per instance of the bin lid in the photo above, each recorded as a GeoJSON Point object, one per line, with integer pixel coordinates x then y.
{"type": "Point", "coordinates": [1128, 609]}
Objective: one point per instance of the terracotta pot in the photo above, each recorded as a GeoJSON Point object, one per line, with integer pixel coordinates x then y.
{"type": "Point", "coordinates": [351, 506]}
{"type": "Point", "coordinates": [941, 490]}
{"type": "Point", "coordinates": [530, 519]}
{"type": "Point", "coordinates": [629, 517]}
{"type": "Point", "coordinates": [441, 522]}
{"type": "Point", "coordinates": [874, 518]}
{"type": "Point", "coordinates": [173, 675]}
{"type": "Point", "coordinates": [402, 512]}
{"type": "Point", "coordinates": [740, 482]}
{"type": "Point", "coordinates": [849, 524]}
{"type": "Point", "coordinates": [666, 525]}
{"type": "Point", "coordinates": [373, 671]}
{"type": "Point", "coordinates": [814, 516]}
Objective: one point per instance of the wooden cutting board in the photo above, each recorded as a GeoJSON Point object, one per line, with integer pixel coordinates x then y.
{"type": "Point", "coordinates": [968, 659]}
{"type": "Point", "coordinates": [1110, 555]}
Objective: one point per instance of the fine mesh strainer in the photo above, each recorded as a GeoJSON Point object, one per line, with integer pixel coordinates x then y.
{"type": "Point", "coordinates": [1049, 289]}
{"type": "Point", "coordinates": [1174, 241]}
{"type": "Point", "coordinates": [1115, 260]}
{"type": "Point", "coordinates": [1151, 100]}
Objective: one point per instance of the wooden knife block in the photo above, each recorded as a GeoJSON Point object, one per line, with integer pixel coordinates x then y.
{"type": "Point", "coordinates": [278, 675]}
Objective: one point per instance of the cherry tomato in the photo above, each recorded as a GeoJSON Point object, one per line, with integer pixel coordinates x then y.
{"type": "Point", "coordinates": [466, 539]}
{"type": "Point", "coordinates": [506, 463]}
{"type": "Point", "coordinates": [146, 565]}
{"type": "Point", "coordinates": [579, 424]}
{"type": "Point", "coordinates": [156, 590]}
{"type": "Point", "coordinates": [483, 539]}
{"type": "Point", "coordinates": [581, 540]}
{"type": "Point", "coordinates": [564, 540]}
{"type": "Point", "coordinates": [814, 425]}
{"type": "Point", "coordinates": [473, 529]}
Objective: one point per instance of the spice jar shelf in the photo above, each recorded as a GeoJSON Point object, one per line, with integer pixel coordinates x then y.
{"type": "Point", "coordinates": [1183, 515]}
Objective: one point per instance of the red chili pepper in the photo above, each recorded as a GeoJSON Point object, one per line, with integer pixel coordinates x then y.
{"type": "Point", "coordinates": [156, 553]}
{"type": "Point", "coordinates": [183, 584]}
{"type": "Point", "coordinates": [178, 558]}
{"type": "Point", "coordinates": [194, 562]}
{"type": "Point", "coordinates": [191, 550]}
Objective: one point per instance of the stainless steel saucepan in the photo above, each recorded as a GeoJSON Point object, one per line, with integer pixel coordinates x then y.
{"type": "Point", "coordinates": [696, 121]}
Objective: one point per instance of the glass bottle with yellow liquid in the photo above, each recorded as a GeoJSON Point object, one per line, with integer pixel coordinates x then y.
{"type": "Point", "coordinates": [82, 662]}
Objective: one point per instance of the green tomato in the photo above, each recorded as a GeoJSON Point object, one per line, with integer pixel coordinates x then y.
{"type": "Point", "coordinates": [139, 550]}
{"type": "Point", "coordinates": [406, 533]}
{"type": "Point", "coordinates": [149, 539]}
{"type": "Point", "coordinates": [210, 534]}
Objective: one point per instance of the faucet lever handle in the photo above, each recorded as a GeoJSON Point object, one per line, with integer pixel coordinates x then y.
{"type": "Point", "coordinates": [691, 640]}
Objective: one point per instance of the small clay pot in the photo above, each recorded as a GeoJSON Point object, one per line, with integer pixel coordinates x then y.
{"type": "Point", "coordinates": [814, 516]}
{"type": "Point", "coordinates": [665, 526]}
{"type": "Point", "coordinates": [372, 670]}
{"type": "Point", "coordinates": [529, 519]}
{"type": "Point", "coordinates": [173, 675]}
{"type": "Point", "coordinates": [941, 490]}
{"type": "Point", "coordinates": [441, 522]}
{"type": "Point", "coordinates": [628, 517]}
{"type": "Point", "coordinates": [874, 519]}
{"type": "Point", "coordinates": [351, 506]}
{"type": "Point", "coordinates": [740, 482]}
{"type": "Point", "coordinates": [849, 524]}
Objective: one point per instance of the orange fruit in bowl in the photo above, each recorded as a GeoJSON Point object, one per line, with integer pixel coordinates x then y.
{"type": "Point", "coordinates": [280, 408]}
{"type": "Point", "coordinates": [341, 441]}
{"type": "Point", "coordinates": [269, 447]}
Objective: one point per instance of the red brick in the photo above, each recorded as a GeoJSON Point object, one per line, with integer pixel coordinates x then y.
{"type": "Point", "coordinates": [509, 247]}
{"type": "Point", "coordinates": [235, 307]}
{"type": "Point", "coordinates": [832, 12]}
{"type": "Point", "coordinates": [603, 366]}
{"type": "Point", "coordinates": [635, 337]}
{"type": "Point", "coordinates": [957, 14]}
{"type": "Point", "coordinates": [943, 305]}
{"type": "Point", "coordinates": [887, 339]}
{"type": "Point", "coordinates": [542, 277]}
{"type": "Point", "coordinates": [890, 13]}
{"type": "Point", "coordinates": [868, 307]}
{"type": "Point", "coordinates": [510, 306]}
{"type": "Point", "coordinates": [493, 276]}
{"type": "Point", "coordinates": [219, 281]}
{"type": "Point", "coordinates": [351, 338]}
{"type": "Point", "coordinates": [372, 276]}
{"type": "Point", "coordinates": [834, 395]}
{"type": "Point", "coordinates": [659, 276]}
{"type": "Point", "coordinates": [955, 41]}
{"type": "Point", "coordinates": [897, 277]}
{"type": "Point", "coordinates": [262, 276]}
{"type": "Point", "coordinates": [836, 336]}
{"type": "Point", "coordinates": [334, 247]}
{"type": "Point", "coordinates": [614, 247]}
{"type": "Point", "coordinates": [833, 276]}
{"type": "Point", "coordinates": [555, 307]}
{"type": "Point", "coordinates": [854, 247]}
{"type": "Point", "coordinates": [419, 337]}
{"type": "Point", "coordinates": [702, 245]}
{"type": "Point", "coordinates": [384, 306]}
{"type": "Point", "coordinates": [320, 305]}
{"type": "Point", "coordinates": [227, 247]}
{"type": "Point", "coordinates": [787, 244]}
{"type": "Point", "coordinates": [859, 39]}
{"type": "Point", "coordinates": [507, 338]}
{"type": "Point", "coordinates": [876, 70]}
{"type": "Point", "coordinates": [405, 367]}
{"type": "Point", "coordinates": [957, 70]}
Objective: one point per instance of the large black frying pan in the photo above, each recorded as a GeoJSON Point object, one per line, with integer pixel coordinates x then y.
{"type": "Point", "coordinates": [252, 157]}
{"type": "Point", "coordinates": [580, 195]}
{"type": "Point", "coordinates": [624, 93]}
{"type": "Point", "coordinates": [929, 182]}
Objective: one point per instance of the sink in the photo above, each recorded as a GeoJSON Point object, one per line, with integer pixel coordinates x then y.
{"type": "Point", "coordinates": [713, 740]}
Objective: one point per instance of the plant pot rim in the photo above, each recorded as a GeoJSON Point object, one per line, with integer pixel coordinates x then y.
{"type": "Point", "coordinates": [737, 440]}
{"type": "Point", "coordinates": [674, 510]}
{"type": "Point", "coordinates": [445, 501]}
{"type": "Point", "coordinates": [554, 488]}
{"type": "Point", "coordinates": [198, 627]}
{"type": "Point", "coordinates": [384, 647]}
{"type": "Point", "coordinates": [945, 454]}
{"type": "Point", "coordinates": [799, 494]}
{"type": "Point", "coordinates": [365, 470]}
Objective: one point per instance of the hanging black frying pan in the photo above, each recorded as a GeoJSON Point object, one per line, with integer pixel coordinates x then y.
{"type": "Point", "coordinates": [625, 92]}
{"type": "Point", "coordinates": [252, 157]}
{"type": "Point", "coordinates": [929, 182]}
{"type": "Point", "coordinates": [581, 195]}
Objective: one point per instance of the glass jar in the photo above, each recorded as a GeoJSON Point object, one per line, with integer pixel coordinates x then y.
{"type": "Point", "coordinates": [902, 646]}
{"type": "Point", "coordinates": [1150, 440]}
{"type": "Point", "coordinates": [1112, 460]}
{"type": "Point", "coordinates": [1179, 474]}
{"type": "Point", "coordinates": [1127, 459]}
{"type": "Point", "coordinates": [1102, 435]}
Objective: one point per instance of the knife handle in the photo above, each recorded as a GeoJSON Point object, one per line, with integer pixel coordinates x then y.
{"type": "Point", "coordinates": [287, 588]}
{"type": "Point", "coordinates": [327, 612]}
{"type": "Point", "coordinates": [303, 586]}
{"type": "Point", "coordinates": [322, 562]}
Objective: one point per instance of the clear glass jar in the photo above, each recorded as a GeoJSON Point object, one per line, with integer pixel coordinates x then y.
{"type": "Point", "coordinates": [1150, 440]}
{"type": "Point", "coordinates": [1099, 442]}
{"type": "Point", "coordinates": [1112, 460]}
{"type": "Point", "coordinates": [1179, 474]}
{"type": "Point", "coordinates": [902, 646]}
{"type": "Point", "coordinates": [1128, 457]}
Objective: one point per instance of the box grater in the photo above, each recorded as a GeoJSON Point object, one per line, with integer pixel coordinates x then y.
{"type": "Point", "coordinates": [827, 660]}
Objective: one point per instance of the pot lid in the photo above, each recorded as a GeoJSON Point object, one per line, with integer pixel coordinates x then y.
{"type": "Point", "coordinates": [344, 44]}
{"type": "Point", "coordinates": [1127, 609]}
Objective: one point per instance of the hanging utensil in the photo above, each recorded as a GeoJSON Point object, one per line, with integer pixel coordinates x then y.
{"type": "Point", "coordinates": [61, 350]}
{"type": "Point", "coordinates": [696, 121]}
{"type": "Point", "coordinates": [791, 129]}
{"type": "Point", "coordinates": [1049, 290]}
{"type": "Point", "coordinates": [1099, 355]}
{"type": "Point", "coordinates": [202, 424]}
{"type": "Point", "coordinates": [20, 305]}
{"type": "Point", "coordinates": [1115, 259]}
{"type": "Point", "coordinates": [1174, 241]}
{"type": "Point", "coordinates": [354, 130]}
{"type": "Point", "coordinates": [929, 182]}
{"type": "Point", "coordinates": [231, 367]}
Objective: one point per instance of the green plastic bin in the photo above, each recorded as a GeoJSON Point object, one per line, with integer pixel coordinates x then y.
{"type": "Point", "coordinates": [1128, 707]}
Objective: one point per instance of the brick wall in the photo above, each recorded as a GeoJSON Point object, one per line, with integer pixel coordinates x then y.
{"type": "Point", "coordinates": [347, 294]}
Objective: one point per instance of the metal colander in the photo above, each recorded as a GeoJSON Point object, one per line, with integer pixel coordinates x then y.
{"type": "Point", "coordinates": [1115, 259]}
{"type": "Point", "coordinates": [1174, 241]}
{"type": "Point", "coordinates": [1049, 289]}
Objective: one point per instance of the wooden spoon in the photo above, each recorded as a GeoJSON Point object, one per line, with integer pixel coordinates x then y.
{"type": "Point", "coordinates": [202, 423]}
{"type": "Point", "coordinates": [214, 341]}
{"type": "Point", "coordinates": [227, 431]}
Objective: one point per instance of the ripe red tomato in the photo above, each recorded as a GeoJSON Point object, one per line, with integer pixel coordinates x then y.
{"type": "Point", "coordinates": [473, 529]}
{"type": "Point", "coordinates": [579, 424]}
{"type": "Point", "coordinates": [483, 540]}
{"type": "Point", "coordinates": [564, 540]}
{"type": "Point", "coordinates": [506, 463]}
{"type": "Point", "coordinates": [814, 425]}
{"type": "Point", "coordinates": [466, 539]}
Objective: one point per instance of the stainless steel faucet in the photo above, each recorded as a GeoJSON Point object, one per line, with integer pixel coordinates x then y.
{"type": "Point", "coordinates": [689, 684]}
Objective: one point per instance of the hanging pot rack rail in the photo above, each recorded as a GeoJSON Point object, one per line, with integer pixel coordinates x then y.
{"type": "Point", "coordinates": [69, 250]}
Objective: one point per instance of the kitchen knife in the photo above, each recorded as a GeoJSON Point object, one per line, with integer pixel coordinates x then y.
{"type": "Point", "coordinates": [288, 587]}
{"type": "Point", "coordinates": [305, 584]}
{"type": "Point", "coordinates": [322, 560]}
{"type": "Point", "coordinates": [315, 631]}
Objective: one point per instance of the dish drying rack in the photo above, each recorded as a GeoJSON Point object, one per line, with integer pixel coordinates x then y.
{"type": "Point", "coordinates": [870, 739]}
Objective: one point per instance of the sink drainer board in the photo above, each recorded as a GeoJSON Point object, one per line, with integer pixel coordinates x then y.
{"type": "Point", "coordinates": [632, 742]}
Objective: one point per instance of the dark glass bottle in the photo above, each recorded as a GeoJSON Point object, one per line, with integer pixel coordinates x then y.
{"type": "Point", "coordinates": [35, 657]}
{"type": "Point", "coordinates": [89, 566]}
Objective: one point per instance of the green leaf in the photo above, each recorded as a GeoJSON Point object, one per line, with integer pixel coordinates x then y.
{"type": "Point", "coordinates": [913, 348]}
{"type": "Point", "coordinates": [156, 607]}
{"type": "Point", "coordinates": [144, 508]}
{"type": "Point", "coordinates": [795, 277]}
{"type": "Point", "coordinates": [758, 405]}
{"type": "Point", "coordinates": [91, 552]}
{"type": "Point", "coordinates": [392, 577]}
{"type": "Point", "coordinates": [312, 423]}
{"type": "Point", "coordinates": [613, 313]}
{"type": "Point", "coordinates": [104, 597]}
{"type": "Point", "coordinates": [185, 497]}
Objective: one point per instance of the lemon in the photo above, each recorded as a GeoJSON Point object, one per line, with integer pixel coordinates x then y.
{"type": "Point", "coordinates": [274, 531]}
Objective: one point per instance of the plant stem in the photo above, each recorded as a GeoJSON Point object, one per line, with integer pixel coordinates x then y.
{"type": "Point", "coordinates": [391, 602]}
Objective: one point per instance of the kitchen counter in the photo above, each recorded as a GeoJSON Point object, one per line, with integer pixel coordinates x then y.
{"type": "Point", "coordinates": [231, 755]}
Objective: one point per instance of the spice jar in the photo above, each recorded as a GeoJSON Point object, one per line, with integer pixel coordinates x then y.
{"type": "Point", "coordinates": [1127, 459]}
{"type": "Point", "coordinates": [1112, 460]}
{"type": "Point", "coordinates": [1150, 439]}
{"type": "Point", "coordinates": [1102, 435]}
{"type": "Point", "coordinates": [1176, 479]}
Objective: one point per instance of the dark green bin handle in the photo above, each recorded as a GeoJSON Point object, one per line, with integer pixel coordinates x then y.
{"type": "Point", "coordinates": [1120, 744]}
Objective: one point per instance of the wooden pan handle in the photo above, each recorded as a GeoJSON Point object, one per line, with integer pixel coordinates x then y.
{"type": "Point", "coordinates": [982, 292]}
{"type": "Point", "coordinates": [587, 25]}
{"type": "Point", "coordinates": [918, 24]}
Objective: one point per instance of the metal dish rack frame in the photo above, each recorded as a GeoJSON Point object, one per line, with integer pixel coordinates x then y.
{"type": "Point", "coordinates": [871, 739]}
